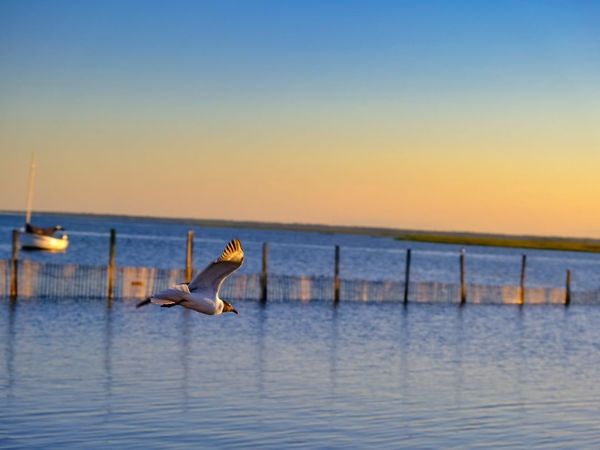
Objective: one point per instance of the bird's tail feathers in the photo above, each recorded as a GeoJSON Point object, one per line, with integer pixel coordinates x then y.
{"type": "Point", "coordinates": [143, 302]}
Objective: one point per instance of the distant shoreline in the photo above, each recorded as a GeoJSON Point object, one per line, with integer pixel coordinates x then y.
{"type": "Point", "coordinates": [496, 240]}
{"type": "Point", "coordinates": [436, 237]}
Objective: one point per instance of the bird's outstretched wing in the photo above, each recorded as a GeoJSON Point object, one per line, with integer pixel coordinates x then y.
{"type": "Point", "coordinates": [211, 278]}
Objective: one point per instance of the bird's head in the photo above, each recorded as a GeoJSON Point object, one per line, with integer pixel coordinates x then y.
{"type": "Point", "coordinates": [228, 307]}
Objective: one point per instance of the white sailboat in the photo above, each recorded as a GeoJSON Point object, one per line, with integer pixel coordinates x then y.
{"type": "Point", "coordinates": [40, 238]}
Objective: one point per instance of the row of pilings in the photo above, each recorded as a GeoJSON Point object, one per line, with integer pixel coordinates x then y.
{"type": "Point", "coordinates": [264, 274]}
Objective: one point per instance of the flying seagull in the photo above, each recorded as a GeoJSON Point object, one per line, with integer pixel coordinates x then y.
{"type": "Point", "coordinates": [202, 294]}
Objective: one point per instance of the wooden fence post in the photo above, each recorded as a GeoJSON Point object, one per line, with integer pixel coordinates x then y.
{"type": "Point", "coordinates": [189, 253]}
{"type": "Point", "coordinates": [263, 274]}
{"type": "Point", "coordinates": [522, 285]}
{"type": "Point", "coordinates": [568, 289]}
{"type": "Point", "coordinates": [14, 263]}
{"type": "Point", "coordinates": [336, 279]}
{"type": "Point", "coordinates": [463, 287]}
{"type": "Point", "coordinates": [407, 275]}
{"type": "Point", "coordinates": [111, 263]}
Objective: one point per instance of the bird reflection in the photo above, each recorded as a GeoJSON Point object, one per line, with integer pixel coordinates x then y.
{"type": "Point", "coordinates": [185, 341]}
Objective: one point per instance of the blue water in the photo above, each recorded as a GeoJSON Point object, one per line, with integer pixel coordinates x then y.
{"type": "Point", "coordinates": [77, 374]}
{"type": "Point", "coordinates": [161, 243]}
{"type": "Point", "coordinates": [81, 373]}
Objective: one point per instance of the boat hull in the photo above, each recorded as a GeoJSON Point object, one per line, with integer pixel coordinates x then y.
{"type": "Point", "coordinates": [41, 242]}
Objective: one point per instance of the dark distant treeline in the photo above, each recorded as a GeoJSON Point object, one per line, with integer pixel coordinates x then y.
{"type": "Point", "coordinates": [438, 237]}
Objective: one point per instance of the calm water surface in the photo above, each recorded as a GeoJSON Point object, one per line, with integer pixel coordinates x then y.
{"type": "Point", "coordinates": [77, 374]}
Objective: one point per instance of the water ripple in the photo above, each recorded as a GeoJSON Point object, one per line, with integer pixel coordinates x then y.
{"type": "Point", "coordinates": [78, 375]}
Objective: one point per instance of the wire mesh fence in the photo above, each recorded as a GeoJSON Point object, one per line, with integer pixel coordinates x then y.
{"type": "Point", "coordinates": [41, 280]}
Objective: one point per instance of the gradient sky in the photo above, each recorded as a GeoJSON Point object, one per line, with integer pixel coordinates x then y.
{"type": "Point", "coordinates": [478, 116]}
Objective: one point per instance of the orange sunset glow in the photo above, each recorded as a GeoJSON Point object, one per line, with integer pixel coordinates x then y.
{"type": "Point", "coordinates": [480, 132]}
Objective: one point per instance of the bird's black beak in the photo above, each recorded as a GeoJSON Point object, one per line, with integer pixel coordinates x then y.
{"type": "Point", "coordinates": [235, 311]}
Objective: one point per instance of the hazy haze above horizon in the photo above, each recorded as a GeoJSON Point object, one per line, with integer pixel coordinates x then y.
{"type": "Point", "coordinates": [465, 115]}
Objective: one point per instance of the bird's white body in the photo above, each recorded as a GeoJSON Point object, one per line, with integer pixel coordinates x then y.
{"type": "Point", "coordinates": [202, 293]}
{"type": "Point", "coordinates": [197, 301]}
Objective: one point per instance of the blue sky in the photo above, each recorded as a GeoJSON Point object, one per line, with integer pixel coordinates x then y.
{"type": "Point", "coordinates": [307, 46]}
{"type": "Point", "coordinates": [395, 95]}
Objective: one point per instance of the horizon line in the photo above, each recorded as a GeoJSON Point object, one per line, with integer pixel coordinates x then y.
{"type": "Point", "coordinates": [313, 227]}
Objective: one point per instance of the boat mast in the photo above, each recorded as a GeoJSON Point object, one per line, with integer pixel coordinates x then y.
{"type": "Point", "coordinates": [30, 190]}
